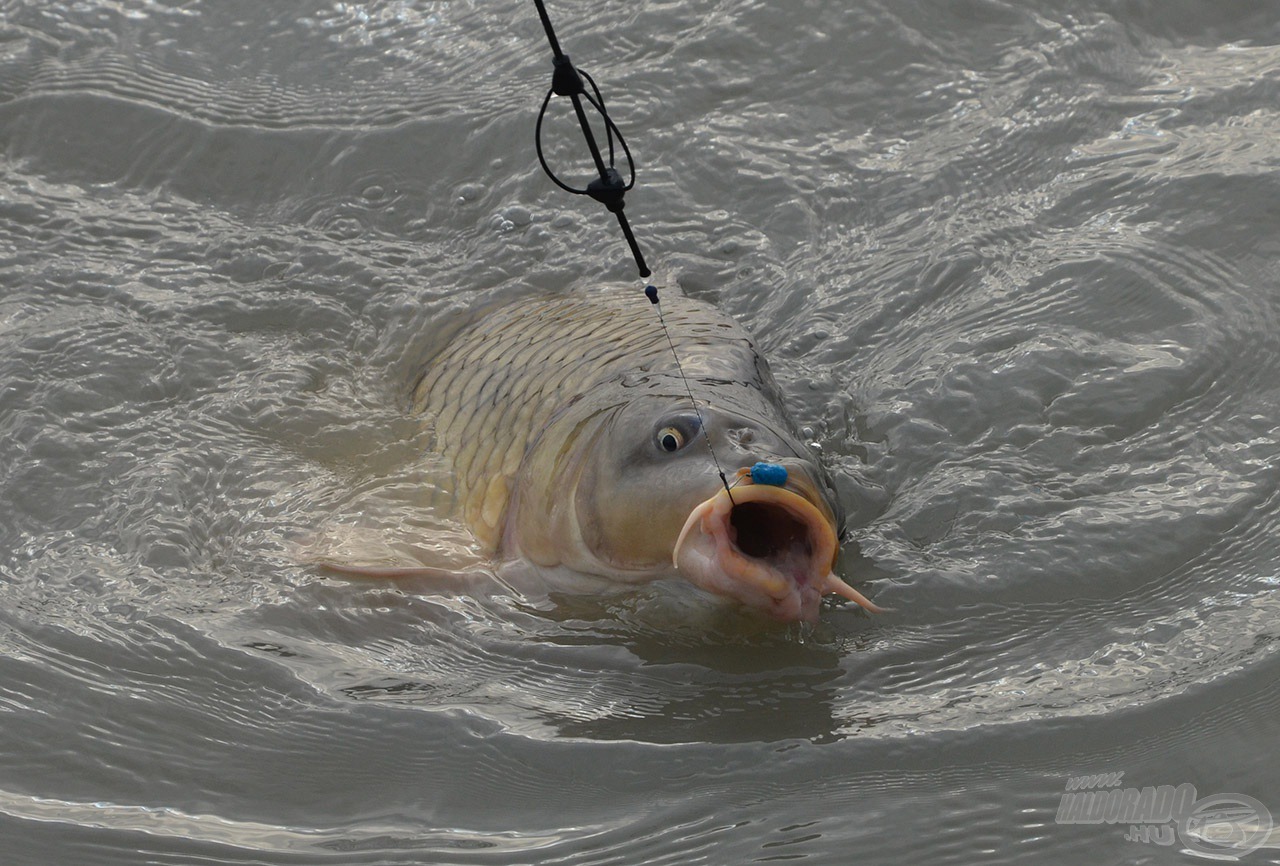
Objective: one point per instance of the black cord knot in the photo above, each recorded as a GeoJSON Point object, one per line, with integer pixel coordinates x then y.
{"type": "Point", "coordinates": [608, 190]}
{"type": "Point", "coordinates": [566, 81]}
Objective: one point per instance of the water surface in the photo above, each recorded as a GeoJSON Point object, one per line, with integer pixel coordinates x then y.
{"type": "Point", "coordinates": [1014, 266]}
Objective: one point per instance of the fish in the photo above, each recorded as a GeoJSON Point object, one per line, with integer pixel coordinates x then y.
{"type": "Point", "coordinates": [592, 435]}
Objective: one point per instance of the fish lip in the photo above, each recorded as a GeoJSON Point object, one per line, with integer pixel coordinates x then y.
{"type": "Point", "coordinates": [789, 576]}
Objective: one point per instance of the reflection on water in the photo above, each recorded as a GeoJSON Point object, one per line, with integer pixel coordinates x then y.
{"type": "Point", "coordinates": [1012, 265]}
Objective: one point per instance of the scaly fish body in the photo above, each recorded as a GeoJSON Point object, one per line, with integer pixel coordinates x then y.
{"type": "Point", "coordinates": [576, 450]}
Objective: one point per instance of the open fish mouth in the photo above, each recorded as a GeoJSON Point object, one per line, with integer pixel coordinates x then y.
{"type": "Point", "coordinates": [767, 547]}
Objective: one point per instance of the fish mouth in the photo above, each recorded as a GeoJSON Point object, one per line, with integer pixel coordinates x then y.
{"type": "Point", "coordinates": [770, 548]}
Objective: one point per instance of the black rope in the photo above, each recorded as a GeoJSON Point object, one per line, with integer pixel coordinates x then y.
{"type": "Point", "coordinates": [609, 188]}
{"type": "Point", "coordinates": [611, 130]}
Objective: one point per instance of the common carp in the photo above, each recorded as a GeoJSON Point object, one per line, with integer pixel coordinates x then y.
{"type": "Point", "coordinates": [576, 450]}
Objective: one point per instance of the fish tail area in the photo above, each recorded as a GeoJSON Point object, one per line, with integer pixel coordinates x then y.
{"type": "Point", "coordinates": [840, 588]}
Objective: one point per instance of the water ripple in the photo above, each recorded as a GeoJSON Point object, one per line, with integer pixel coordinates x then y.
{"type": "Point", "coordinates": [1014, 269]}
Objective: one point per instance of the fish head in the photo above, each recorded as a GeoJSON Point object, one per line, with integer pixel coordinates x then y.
{"type": "Point", "coordinates": [633, 492]}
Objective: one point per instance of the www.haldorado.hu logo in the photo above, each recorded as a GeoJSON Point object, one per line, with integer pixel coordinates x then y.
{"type": "Point", "coordinates": [1222, 824]}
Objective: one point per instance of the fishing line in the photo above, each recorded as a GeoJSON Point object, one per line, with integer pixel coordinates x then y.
{"type": "Point", "coordinates": [651, 292]}
{"type": "Point", "coordinates": [609, 188]}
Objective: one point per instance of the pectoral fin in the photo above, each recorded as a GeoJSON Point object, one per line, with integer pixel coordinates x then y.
{"type": "Point", "coordinates": [374, 552]}
{"type": "Point", "coordinates": [402, 525]}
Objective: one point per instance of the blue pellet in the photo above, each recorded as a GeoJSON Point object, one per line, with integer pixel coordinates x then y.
{"type": "Point", "coordinates": [769, 473]}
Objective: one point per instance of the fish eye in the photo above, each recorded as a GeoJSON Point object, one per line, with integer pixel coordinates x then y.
{"type": "Point", "coordinates": [675, 433]}
{"type": "Point", "coordinates": [670, 439]}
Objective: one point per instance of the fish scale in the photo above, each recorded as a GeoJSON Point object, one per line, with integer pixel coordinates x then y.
{"type": "Point", "coordinates": [493, 389]}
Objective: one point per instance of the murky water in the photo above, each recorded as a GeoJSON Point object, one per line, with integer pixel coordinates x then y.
{"type": "Point", "coordinates": [1014, 266]}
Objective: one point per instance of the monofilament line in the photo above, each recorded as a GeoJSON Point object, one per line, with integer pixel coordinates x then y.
{"type": "Point", "coordinates": [652, 293]}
